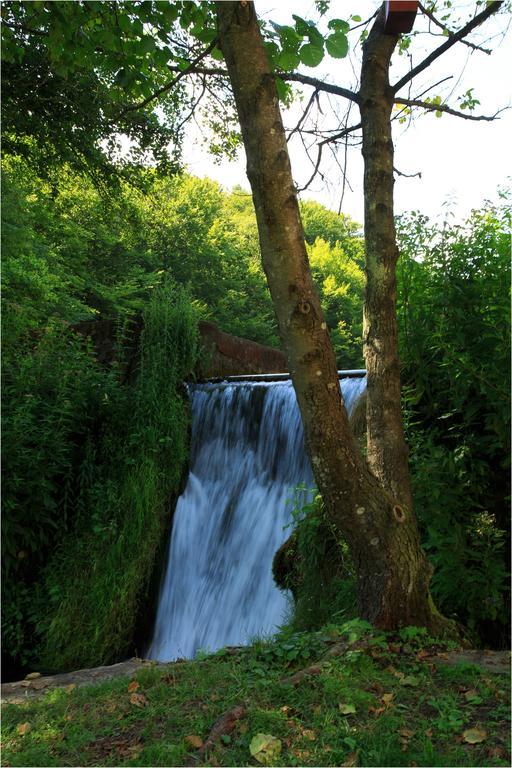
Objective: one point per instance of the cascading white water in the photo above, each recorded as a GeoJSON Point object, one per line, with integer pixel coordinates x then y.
{"type": "Point", "coordinates": [247, 459]}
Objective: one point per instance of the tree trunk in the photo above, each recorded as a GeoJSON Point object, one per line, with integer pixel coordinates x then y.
{"type": "Point", "coordinates": [387, 449]}
{"type": "Point", "coordinates": [392, 571]}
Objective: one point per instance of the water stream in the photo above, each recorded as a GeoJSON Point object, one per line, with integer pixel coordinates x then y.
{"type": "Point", "coordinates": [247, 459]}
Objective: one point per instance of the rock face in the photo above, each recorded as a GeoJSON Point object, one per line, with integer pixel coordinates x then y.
{"type": "Point", "coordinates": [227, 355]}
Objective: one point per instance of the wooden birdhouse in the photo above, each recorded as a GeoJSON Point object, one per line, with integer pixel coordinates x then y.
{"type": "Point", "coordinates": [400, 15]}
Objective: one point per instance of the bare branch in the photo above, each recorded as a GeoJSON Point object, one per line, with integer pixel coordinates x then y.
{"type": "Point", "coordinates": [407, 175]}
{"type": "Point", "coordinates": [192, 70]}
{"type": "Point", "coordinates": [428, 105]}
{"type": "Point", "coordinates": [469, 27]}
{"type": "Point", "coordinates": [320, 85]}
{"type": "Point", "coordinates": [341, 134]}
{"type": "Point", "coordinates": [167, 87]}
{"type": "Point", "coordinates": [312, 98]}
{"type": "Point", "coordinates": [315, 170]}
{"type": "Point", "coordinates": [449, 32]}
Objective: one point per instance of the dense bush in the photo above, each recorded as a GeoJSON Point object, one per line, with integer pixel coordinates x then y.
{"type": "Point", "coordinates": [315, 565]}
{"type": "Point", "coordinates": [92, 467]}
{"type": "Point", "coordinates": [454, 321]}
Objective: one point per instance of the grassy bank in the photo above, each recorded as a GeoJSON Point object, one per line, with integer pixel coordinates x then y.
{"type": "Point", "coordinates": [368, 700]}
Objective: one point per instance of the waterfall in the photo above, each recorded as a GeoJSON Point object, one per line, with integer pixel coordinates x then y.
{"type": "Point", "coordinates": [247, 460]}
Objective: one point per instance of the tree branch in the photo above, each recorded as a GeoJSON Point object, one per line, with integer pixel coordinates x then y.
{"type": "Point", "coordinates": [315, 170]}
{"type": "Point", "coordinates": [407, 175]}
{"type": "Point", "coordinates": [304, 115]}
{"type": "Point", "coordinates": [170, 84]}
{"type": "Point", "coordinates": [455, 37]}
{"type": "Point", "coordinates": [428, 105]}
{"type": "Point", "coordinates": [191, 70]}
{"type": "Point", "coordinates": [341, 134]}
{"type": "Point", "coordinates": [320, 85]}
{"type": "Point", "coordinates": [449, 32]}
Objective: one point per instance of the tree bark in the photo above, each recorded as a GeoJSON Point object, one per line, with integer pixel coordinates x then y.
{"type": "Point", "coordinates": [387, 450]}
{"type": "Point", "coordinates": [392, 571]}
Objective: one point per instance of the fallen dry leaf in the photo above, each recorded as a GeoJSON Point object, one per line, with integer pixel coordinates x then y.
{"type": "Point", "coordinates": [68, 718]}
{"type": "Point", "coordinates": [70, 688]}
{"type": "Point", "coordinates": [308, 734]}
{"type": "Point", "coordinates": [32, 676]}
{"type": "Point", "coordinates": [139, 700]}
{"type": "Point", "coordinates": [387, 698]}
{"type": "Point", "coordinates": [23, 728]}
{"type": "Point", "coordinates": [406, 733]}
{"type": "Point", "coordinates": [429, 733]}
{"type": "Point", "coordinates": [243, 727]}
{"type": "Point", "coordinates": [474, 736]}
{"type": "Point", "coordinates": [376, 711]}
{"type": "Point", "coordinates": [133, 686]}
{"type": "Point", "coordinates": [498, 752]}
{"type": "Point", "coordinates": [395, 672]}
{"type": "Point", "coordinates": [351, 760]}
{"type": "Point", "coordinates": [194, 741]}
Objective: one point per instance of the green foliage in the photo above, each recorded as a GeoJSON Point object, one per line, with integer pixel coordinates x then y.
{"type": "Point", "coordinates": [100, 573]}
{"type": "Point", "coordinates": [454, 321]}
{"type": "Point", "coordinates": [322, 576]}
{"type": "Point", "coordinates": [71, 75]}
{"type": "Point", "coordinates": [93, 465]}
{"type": "Point", "coordinates": [341, 282]}
{"type": "Point", "coordinates": [290, 647]}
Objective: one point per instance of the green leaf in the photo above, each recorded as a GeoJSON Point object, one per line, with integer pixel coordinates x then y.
{"type": "Point", "coordinates": [289, 38]}
{"type": "Point", "coordinates": [356, 18]}
{"type": "Point", "coordinates": [409, 680]}
{"type": "Point", "coordinates": [288, 60]}
{"type": "Point", "coordinates": [315, 37]}
{"type": "Point", "coordinates": [124, 22]}
{"type": "Point", "coordinates": [337, 45]}
{"type": "Point", "coordinates": [217, 54]}
{"type": "Point", "coordinates": [347, 709]}
{"type": "Point", "coordinates": [265, 748]}
{"type": "Point", "coordinates": [311, 55]}
{"type": "Point", "coordinates": [301, 25]}
{"type": "Point", "coordinates": [147, 44]}
{"type": "Point", "coordinates": [283, 89]}
{"type": "Point", "coordinates": [338, 25]}
{"type": "Point", "coordinates": [204, 35]}
{"type": "Point", "coordinates": [272, 50]}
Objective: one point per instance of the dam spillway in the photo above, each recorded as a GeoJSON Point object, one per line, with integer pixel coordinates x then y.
{"type": "Point", "coordinates": [248, 468]}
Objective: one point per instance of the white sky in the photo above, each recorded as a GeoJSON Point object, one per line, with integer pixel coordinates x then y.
{"type": "Point", "coordinates": [461, 161]}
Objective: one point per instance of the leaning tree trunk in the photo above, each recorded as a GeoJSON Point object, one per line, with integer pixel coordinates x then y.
{"type": "Point", "coordinates": [387, 450]}
{"type": "Point", "coordinates": [391, 570]}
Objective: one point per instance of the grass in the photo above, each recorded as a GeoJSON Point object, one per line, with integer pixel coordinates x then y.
{"type": "Point", "coordinates": [408, 710]}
